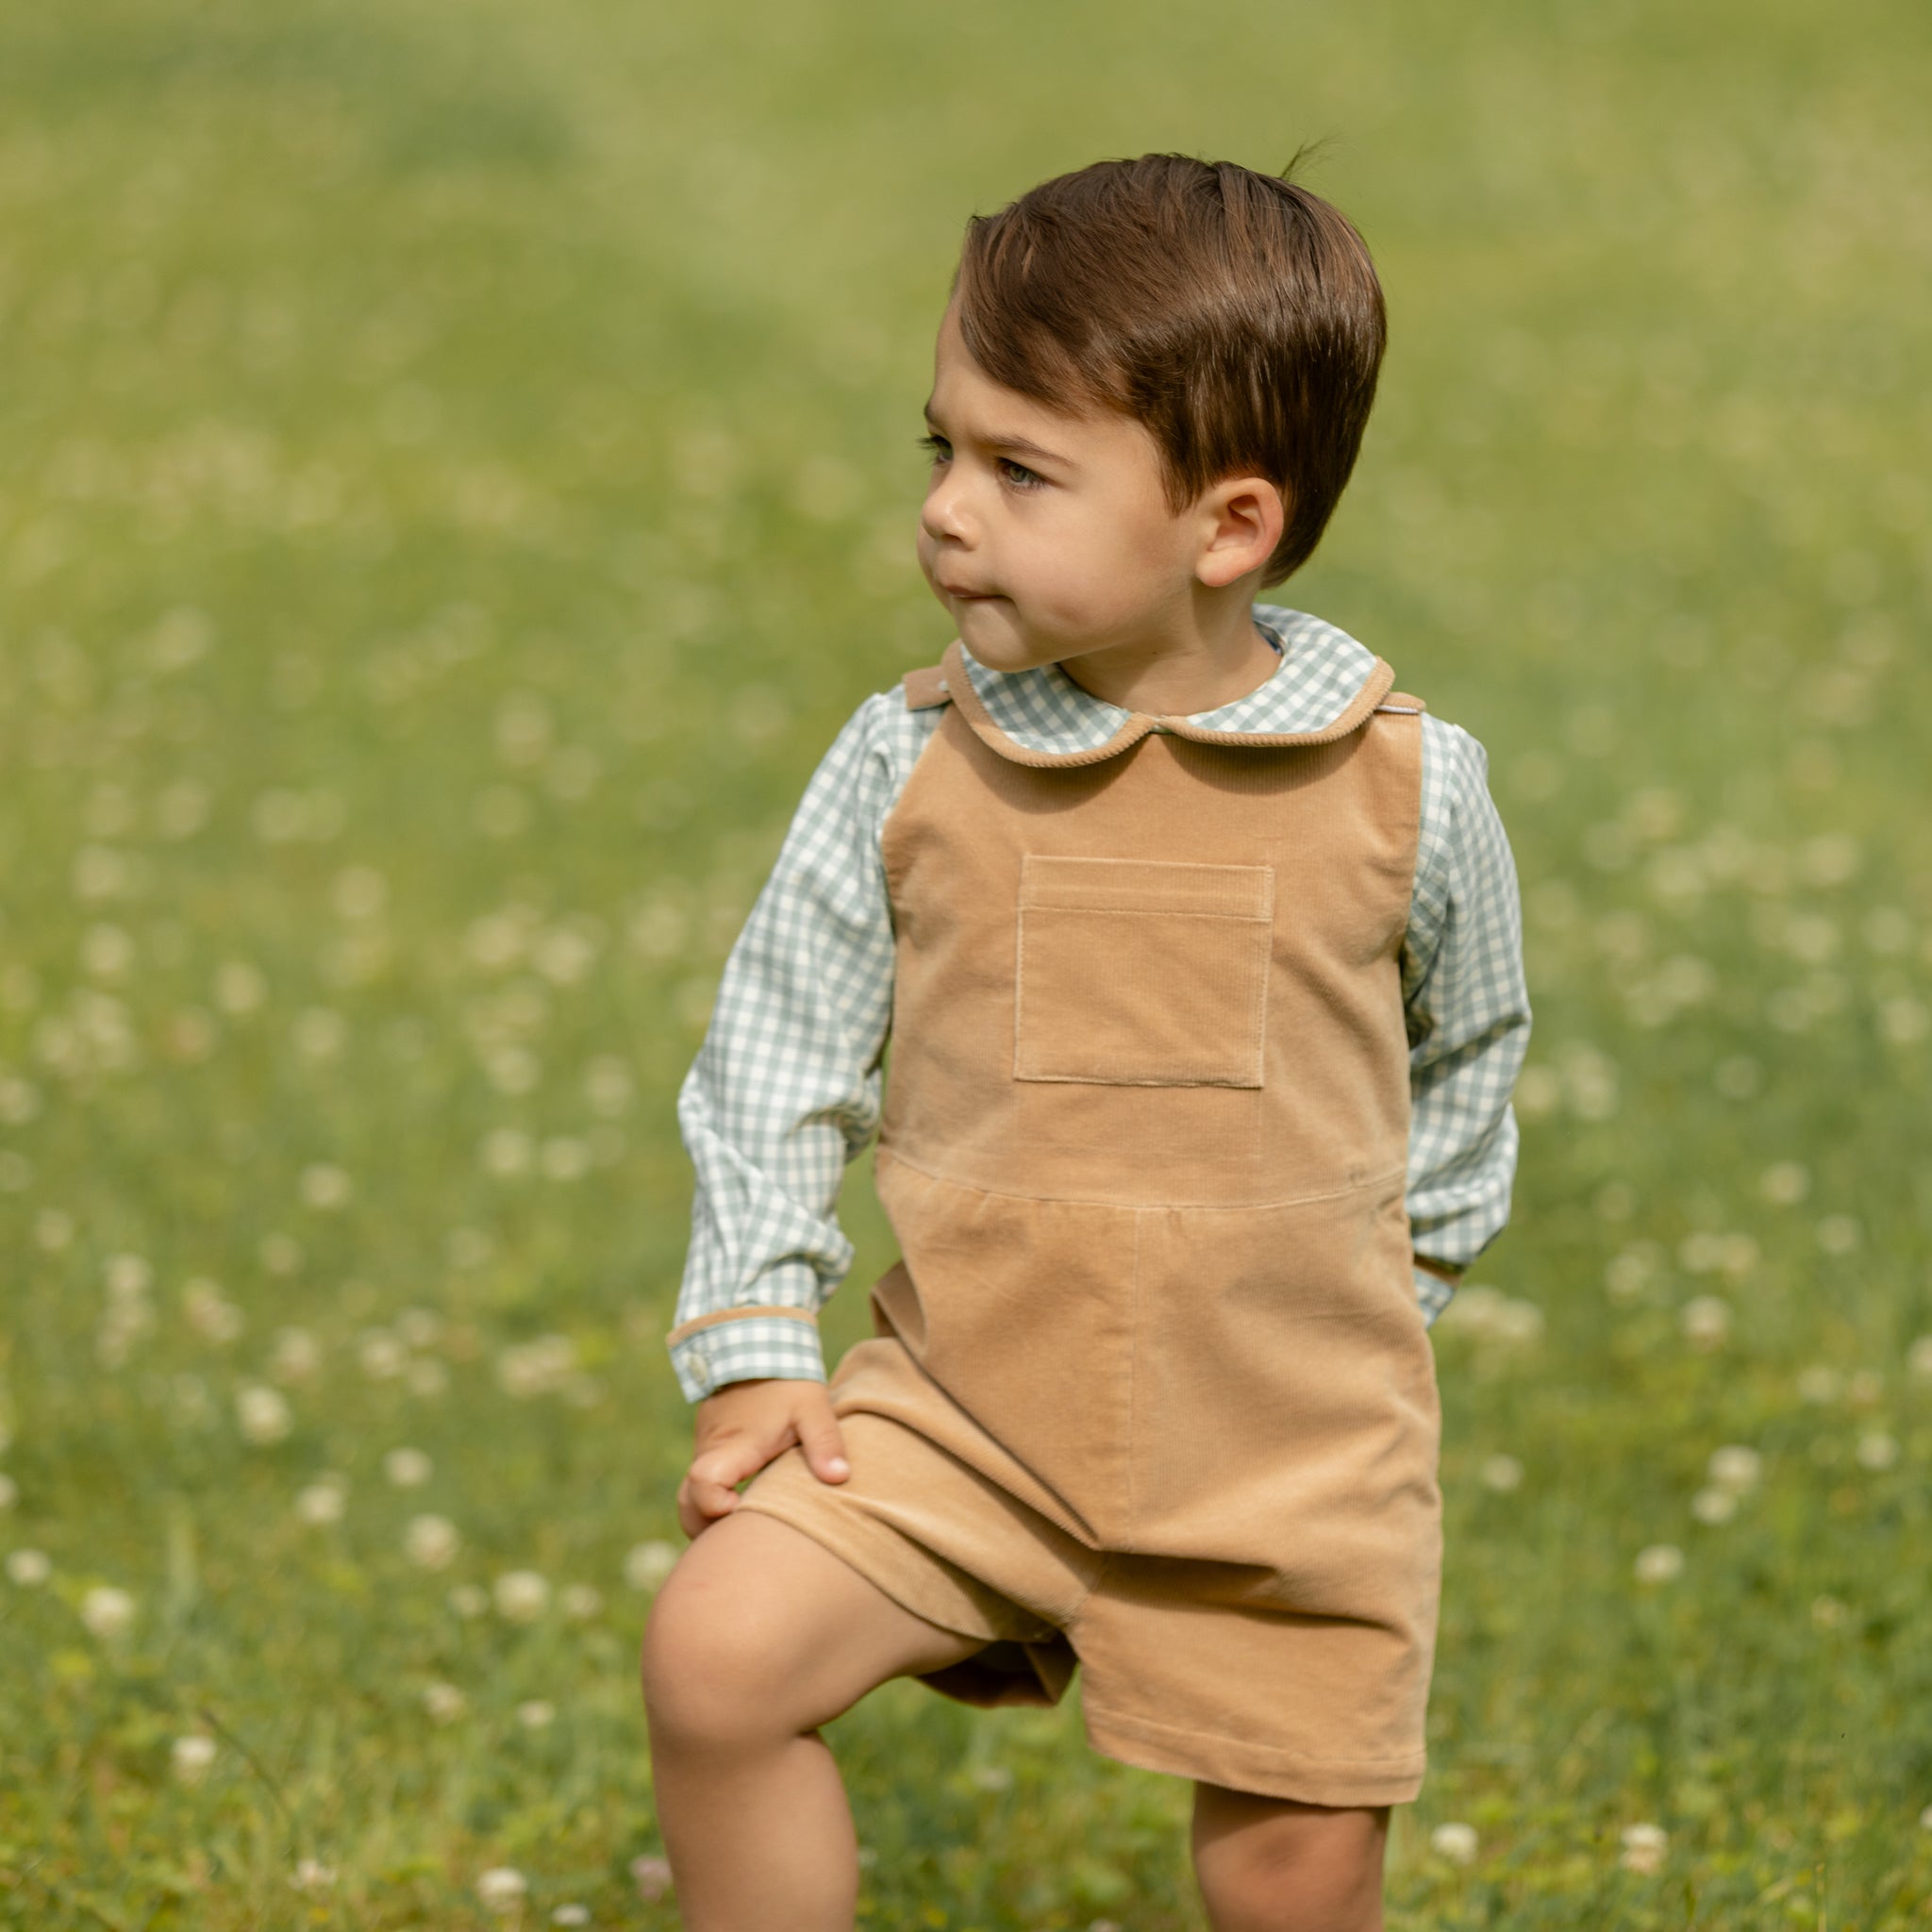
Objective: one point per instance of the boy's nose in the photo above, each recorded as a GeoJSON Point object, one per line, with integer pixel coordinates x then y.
{"type": "Point", "coordinates": [943, 514]}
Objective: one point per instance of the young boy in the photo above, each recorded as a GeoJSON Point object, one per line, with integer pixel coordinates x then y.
{"type": "Point", "coordinates": [1199, 948]}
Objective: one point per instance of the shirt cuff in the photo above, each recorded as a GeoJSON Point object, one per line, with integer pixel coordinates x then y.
{"type": "Point", "coordinates": [736, 1344]}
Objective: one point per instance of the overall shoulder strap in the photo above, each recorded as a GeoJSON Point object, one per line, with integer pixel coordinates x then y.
{"type": "Point", "coordinates": [925, 687]}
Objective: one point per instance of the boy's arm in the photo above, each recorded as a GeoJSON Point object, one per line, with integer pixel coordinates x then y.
{"type": "Point", "coordinates": [785, 1090]}
{"type": "Point", "coordinates": [1469, 1016]}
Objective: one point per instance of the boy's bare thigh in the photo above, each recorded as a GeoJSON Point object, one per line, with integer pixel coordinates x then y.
{"type": "Point", "coordinates": [758, 1625]}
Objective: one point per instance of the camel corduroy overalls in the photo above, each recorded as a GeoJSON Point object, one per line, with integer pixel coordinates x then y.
{"type": "Point", "coordinates": [1150, 1391]}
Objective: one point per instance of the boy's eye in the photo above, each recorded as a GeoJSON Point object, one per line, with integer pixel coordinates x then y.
{"type": "Point", "coordinates": [1021, 477]}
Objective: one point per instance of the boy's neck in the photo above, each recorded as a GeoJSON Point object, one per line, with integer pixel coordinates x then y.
{"type": "Point", "coordinates": [1212, 664]}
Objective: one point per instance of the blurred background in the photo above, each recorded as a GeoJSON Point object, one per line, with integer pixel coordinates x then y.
{"type": "Point", "coordinates": [456, 475]}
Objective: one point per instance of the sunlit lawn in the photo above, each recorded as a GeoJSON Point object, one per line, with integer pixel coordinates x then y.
{"type": "Point", "coordinates": [456, 474]}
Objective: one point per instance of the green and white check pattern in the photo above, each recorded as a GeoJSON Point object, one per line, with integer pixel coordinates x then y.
{"type": "Point", "coordinates": [787, 1087]}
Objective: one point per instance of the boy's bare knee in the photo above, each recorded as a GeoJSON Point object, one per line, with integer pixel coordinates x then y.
{"type": "Point", "coordinates": [719, 1670]}
{"type": "Point", "coordinates": [1275, 1866]}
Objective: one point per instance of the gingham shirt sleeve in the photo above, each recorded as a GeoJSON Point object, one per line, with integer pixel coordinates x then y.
{"type": "Point", "coordinates": [785, 1090]}
{"type": "Point", "coordinates": [1468, 1014]}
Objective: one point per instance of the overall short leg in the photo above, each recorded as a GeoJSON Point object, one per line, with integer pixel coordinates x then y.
{"type": "Point", "coordinates": [1277, 1865]}
{"type": "Point", "coordinates": [758, 1635]}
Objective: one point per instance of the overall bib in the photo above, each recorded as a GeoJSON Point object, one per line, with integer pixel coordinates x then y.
{"type": "Point", "coordinates": [1149, 1392]}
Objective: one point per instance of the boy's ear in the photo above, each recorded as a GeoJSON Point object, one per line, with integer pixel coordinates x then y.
{"type": "Point", "coordinates": [1242, 518]}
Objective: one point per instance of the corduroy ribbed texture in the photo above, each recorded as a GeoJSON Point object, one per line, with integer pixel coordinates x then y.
{"type": "Point", "coordinates": [1154, 1325]}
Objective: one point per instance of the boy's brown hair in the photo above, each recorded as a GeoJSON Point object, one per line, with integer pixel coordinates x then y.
{"type": "Point", "coordinates": [1233, 314]}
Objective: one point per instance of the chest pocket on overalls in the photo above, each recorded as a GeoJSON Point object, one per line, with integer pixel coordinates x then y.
{"type": "Point", "coordinates": [1141, 972]}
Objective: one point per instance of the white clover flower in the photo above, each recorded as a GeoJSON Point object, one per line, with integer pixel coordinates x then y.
{"type": "Point", "coordinates": [1631, 1272]}
{"type": "Point", "coordinates": [190, 1757]}
{"type": "Point", "coordinates": [182, 808]}
{"type": "Point", "coordinates": [512, 1068]}
{"type": "Point", "coordinates": [1785, 1183]}
{"type": "Point", "coordinates": [320, 1033]}
{"type": "Point", "coordinates": [128, 1276]}
{"type": "Point", "coordinates": [431, 1542]}
{"type": "Point", "coordinates": [263, 1412]}
{"type": "Point", "coordinates": [649, 1563]}
{"type": "Point", "coordinates": [107, 951]}
{"type": "Point", "coordinates": [209, 1312]}
{"type": "Point", "coordinates": [1519, 1320]}
{"type": "Point", "coordinates": [536, 1713]}
{"type": "Point", "coordinates": [652, 1874]}
{"type": "Point", "coordinates": [106, 1612]}
{"type": "Point", "coordinates": [1818, 1383]}
{"type": "Point", "coordinates": [507, 1151]}
{"type": "Point", "coordinates": [322, 1502]}
{"type": "Point", "coordinates": [407, 1468]}
{"type": "Point", "coordinates": [607, 1084]}
{"type": "Point", "coordinates": [1919, 1359]}
{"type": "Point", "coordinates": [1877, 1450]}
{"type": "Point", "coordinates": [1712, 1504]}
{"type": "Point", "coordinates": [571, 1915]}
{"type": "Point", "coordinates": [296, 1357]}
{"type": "Point", "coordinates": [1839, 1234]}
{"type": "Point", "coordinates": [360, 893]}
{"type": "Point", "coordinates": [382, 1357]}
{"type": "Point", "coordinates": [28, 1568]}
{"type": "Point", "coordinates": [1502, 1473]}
{"type": "Point", "coordinates": [444, 1703]}
{"type": "Point", "coordinates": [1659, 1563]}
{"type": "Point", "coordinates": [1828, 1611]}
{"type": "Point", "coordinates": [419, 1328]}
{"type": "Point", "coordinates": [580, 1602]}
{"type": "Point", "coordinates": [1925, 1819]}
{"type": "Point", "coordinates": [993, 1777]}
{"type": "Point", "coordinates": [1455, 1842]}
{"type": "Point", "coordinates": [1705, 1319]}
{"type": "Point", "coordinates": [521, 1595]}
{"type": "Point", "coordinates": [324, 1185]}
{"type": "Point", "coordinates": [311, 1876]}
{"type": "Point", "coordinates": [1643, 1847]}
{"type": "Point", "coordinates": [1735, 1466]}
{"type": "Point", "coordinates": [502, 1889]}
{"type": "Point", "coordinates": [537, 1367]}
{"type": "Point", "coordinates": [19, 1100]}
{"type": "Point", "coordinates": [239, 988]}
{"type": "Point", "coordinates": [425, 1375]}
{"type": "Point", "coordinates": [469, 1600]}
{"type": "Point", "coordinates": [281, 1254]}
{"type": "Point", "coordinates": [120, 1326]}
{"type": "Point", "coordinates": [1475, 1308]}
{"type": "Point", "coordinates": [564, 954]}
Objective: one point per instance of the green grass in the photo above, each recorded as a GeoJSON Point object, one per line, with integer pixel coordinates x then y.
{"type": "Point", "coordinates": [457, 472]}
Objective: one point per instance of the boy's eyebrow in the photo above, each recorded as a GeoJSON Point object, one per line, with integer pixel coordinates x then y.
{"type": "Point", "coordinates": [1021, 443]}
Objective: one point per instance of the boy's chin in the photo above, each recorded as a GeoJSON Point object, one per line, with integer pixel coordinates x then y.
{"type": "Point", "coordinates": [992, 634]}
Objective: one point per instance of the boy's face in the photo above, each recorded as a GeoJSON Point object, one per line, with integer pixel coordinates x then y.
{"type": "Point", "coordinates": [1047, 534]}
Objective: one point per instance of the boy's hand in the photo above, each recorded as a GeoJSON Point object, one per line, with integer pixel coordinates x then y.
{"type": "Point", "coordinates": [741, 1427]}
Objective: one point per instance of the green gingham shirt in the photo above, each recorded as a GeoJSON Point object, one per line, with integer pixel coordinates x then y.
{"type": "Point", "coordinates": [787, 1087]}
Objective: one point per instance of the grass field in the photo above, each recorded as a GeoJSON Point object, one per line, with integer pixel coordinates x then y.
{"type": "Point", "coordinates": [457, 472]}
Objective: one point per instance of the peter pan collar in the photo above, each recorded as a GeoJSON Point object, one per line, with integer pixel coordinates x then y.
{"type": "Point", "coordinates": [1324, 685]}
